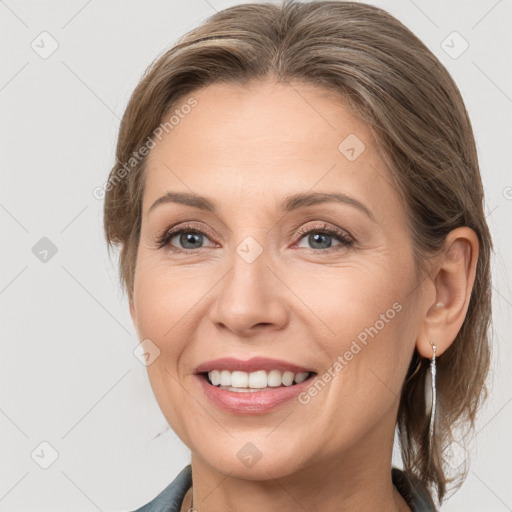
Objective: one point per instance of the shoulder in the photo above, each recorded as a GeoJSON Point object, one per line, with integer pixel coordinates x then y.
{"type": "Point", "coordinates": [413, 491]}
{"type": "Point", "coordinates": [171, 498]}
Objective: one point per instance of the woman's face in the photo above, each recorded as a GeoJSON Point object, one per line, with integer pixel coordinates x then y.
{"type": "Point", "coordinates": [275, 268]}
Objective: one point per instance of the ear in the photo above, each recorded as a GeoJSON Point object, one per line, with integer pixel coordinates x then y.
{"type": "Point", "coordinates": [451, 283]}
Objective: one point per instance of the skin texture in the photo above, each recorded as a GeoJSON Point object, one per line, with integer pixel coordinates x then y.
{"type": "Point", "coordinates": [246, 148]}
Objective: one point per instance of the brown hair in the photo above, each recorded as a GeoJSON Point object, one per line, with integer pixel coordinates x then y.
{"type": "Point", "coordinates": [412, 105]}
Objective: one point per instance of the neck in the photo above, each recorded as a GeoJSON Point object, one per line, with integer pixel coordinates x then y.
{"type": "Point", "coordinates": [358, 481]}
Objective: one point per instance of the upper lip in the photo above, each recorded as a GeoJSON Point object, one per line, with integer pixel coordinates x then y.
{"type": "Point", "coordinates": [250, 365]}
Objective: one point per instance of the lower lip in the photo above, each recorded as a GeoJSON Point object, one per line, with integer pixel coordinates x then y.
{"type": "Point", "coordinates": [256, 402]}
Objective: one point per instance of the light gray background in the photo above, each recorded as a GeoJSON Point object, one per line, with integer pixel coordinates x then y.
{"type": "Point", "coordinates": [68, 374]}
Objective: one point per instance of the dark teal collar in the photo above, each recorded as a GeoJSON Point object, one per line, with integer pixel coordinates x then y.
{"type": "Point", "coordinates": [413, 491]}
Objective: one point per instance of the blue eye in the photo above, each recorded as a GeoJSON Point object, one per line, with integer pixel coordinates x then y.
{"type": "Point", "coordinates": [323, 236]}
{"type": "Point", "coordinates": [190, 239]}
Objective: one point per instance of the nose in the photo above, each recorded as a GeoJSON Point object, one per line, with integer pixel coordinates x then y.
{"type": "Point", "coordinates": [250, 299]}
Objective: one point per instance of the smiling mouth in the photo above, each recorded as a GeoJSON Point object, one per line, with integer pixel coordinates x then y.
{"type": "Point", "coordinates": [251, 382]}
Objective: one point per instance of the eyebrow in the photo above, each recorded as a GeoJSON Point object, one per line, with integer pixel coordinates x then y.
{"type": "Point", "coordinates": [290, 203]}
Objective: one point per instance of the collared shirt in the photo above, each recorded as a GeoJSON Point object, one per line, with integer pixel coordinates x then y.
{"type": "Point", "coordinates": [171, 498]}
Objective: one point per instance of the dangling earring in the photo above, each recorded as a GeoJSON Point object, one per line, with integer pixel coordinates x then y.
{"type": "Point", "coordinates": [432, 393]}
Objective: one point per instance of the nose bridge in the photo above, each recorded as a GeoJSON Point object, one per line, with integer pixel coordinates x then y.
{"type": "Point", "coordinates": [249, 294]}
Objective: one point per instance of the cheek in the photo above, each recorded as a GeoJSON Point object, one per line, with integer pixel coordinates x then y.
{"type": "Point", "coordinates": [351, 298]}
{"type": "Point", "coordinates": [370, 342]}
{"type": "Point", "coordinates": [367, 322]}
{"type": "Point", "coordinates": [162, 307]}
{"type": "Point", "coordinates": [166, 299]}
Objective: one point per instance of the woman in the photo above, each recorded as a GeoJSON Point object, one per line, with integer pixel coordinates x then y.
{"type": "Point", "coordinates": [299, 209]}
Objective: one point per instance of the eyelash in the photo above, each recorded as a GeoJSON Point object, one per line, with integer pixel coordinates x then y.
{"type": "Point", "coordinates": [345, 239]}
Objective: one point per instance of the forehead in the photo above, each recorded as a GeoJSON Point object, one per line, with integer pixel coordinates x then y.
{"type": "Point", "coordinates": [265, 116]}
{"type": "Point", "coordinates": [258, 142]}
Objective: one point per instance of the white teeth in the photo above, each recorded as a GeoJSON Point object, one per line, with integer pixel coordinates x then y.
{"type": "Point", "coordinates": [301, 377]}
{"type": "Point", "coordinates": [214, 377]}
{"type": "Point", "coordinates": [242, 390]}
{"type": "Point", "coordinates": [258, 379]}
{"type": "Point", "coordinates": [274, 378]}
{"type": "Point", "coordinates": [237, 380]}
{"type": "Point", "coordinates": [225, 378]}
{"type": "Point", "coordinates": [287, 378]}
